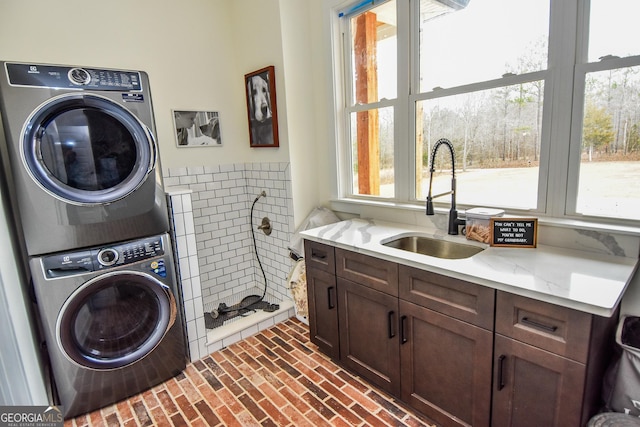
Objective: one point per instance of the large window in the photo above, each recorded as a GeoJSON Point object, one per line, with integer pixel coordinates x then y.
{"type": "Point", "coordinates": [540, 99]}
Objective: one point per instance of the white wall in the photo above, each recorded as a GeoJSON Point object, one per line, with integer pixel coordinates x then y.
{"type": "Point", "coordinates": [193, 51]}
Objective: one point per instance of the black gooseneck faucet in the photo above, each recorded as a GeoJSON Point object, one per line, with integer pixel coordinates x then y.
{"type": "Point", "coordinates": [454, 221]}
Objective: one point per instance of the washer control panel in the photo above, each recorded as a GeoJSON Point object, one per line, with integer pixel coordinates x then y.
{"type": "Point", "coordinates": [101, 258]}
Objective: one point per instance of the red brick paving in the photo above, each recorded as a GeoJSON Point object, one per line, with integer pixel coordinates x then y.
{"type": "Point", "coordinates": [275, 378]}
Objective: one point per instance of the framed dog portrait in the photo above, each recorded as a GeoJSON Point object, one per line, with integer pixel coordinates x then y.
{"type": "Point", "coordinates": [261, 107]}
{"type": "Point", "coordinates": [197, 128]}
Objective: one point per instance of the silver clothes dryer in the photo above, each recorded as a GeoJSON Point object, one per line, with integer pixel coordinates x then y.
{"type": "Point", "coordinates": [112, 320]}
{"type": "Point", "coordinates": [80, 155]}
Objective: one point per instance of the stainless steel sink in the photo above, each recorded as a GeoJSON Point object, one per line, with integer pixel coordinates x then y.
{"type": "Point", "coordinates": [434, 247]}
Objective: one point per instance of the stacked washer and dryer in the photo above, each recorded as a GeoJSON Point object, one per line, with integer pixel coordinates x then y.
{"type": "Point", "coordinates": [82, 168]}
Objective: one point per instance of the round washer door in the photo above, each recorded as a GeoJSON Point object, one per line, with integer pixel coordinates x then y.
{"type": "Point", "coordinates": [85, 149]}
{"type": "Point", "coordinates": [115, 320]}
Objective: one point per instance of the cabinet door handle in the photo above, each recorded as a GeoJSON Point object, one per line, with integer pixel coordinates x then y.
{"type": "Point", "coordinates": [403, 329]}
{"type": "Point", "coordinates": [316, 255]}
{"type": "Point", "coordinates": [392, 329]}
{"type": "Point", "coordinates": [501, 360]}
{"type": "Point", "coordinates": [539, 325]}
{"type": "Point", "coordinates": [329, 298]}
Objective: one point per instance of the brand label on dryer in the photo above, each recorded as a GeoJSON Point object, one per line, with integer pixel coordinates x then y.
{"type": "Point", "coordinates": [133, 97]}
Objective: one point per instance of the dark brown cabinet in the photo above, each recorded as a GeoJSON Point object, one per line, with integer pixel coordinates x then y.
{"type": "Point", "coordinates": [368, 317]}
{"type": "Point", "coordinates": [535, 387]}
{"type": "Point", "coordinates": [446, 347]}
{"type": "Point", "coordinates": [460, 353]}
{"type": "Point", "coordinates": [322, 296]}
{"type": "Point", "coordinates": [549, 362]}
{"type": "Point", "coordinates": [369, 334]}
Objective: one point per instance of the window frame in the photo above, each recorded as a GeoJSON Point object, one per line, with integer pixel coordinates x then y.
{"type": "Point", "coordinates": [561, 131]}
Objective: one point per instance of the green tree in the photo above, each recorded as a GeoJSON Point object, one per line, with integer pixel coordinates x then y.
{"type": "Point", "coordinates": [598, 128]}
{"type": "Point", "coordinates": [633, 137]}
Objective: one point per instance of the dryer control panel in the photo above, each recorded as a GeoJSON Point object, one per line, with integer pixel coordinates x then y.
{"type": "Point", "coordinates": [101, 258]}
{"type": "Point", "coordinates": [61, 77]}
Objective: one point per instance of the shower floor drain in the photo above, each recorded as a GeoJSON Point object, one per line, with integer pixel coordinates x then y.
{"type": "Point", "coordinates": [213, 319]}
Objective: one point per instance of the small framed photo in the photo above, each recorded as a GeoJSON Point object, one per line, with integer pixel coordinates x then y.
{"type": "Point", "coordinates": [197, 128]}
{"type": "Point", "coordinates": [261, 107]}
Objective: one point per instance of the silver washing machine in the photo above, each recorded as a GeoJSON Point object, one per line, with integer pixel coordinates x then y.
{"type": "Point", "coordinates": [80, 153]}
{"type": "Point", "coordinates": [112, 320]}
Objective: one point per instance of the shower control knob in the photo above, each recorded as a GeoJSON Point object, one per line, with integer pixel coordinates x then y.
{"type": "Point", "coordinates": [108, 257]}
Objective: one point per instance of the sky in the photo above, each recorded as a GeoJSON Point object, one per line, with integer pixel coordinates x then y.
{"type": "Point", "coordinates": [497, 32]}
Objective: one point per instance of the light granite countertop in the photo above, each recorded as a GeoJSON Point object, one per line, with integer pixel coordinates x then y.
{"type": "Point", "coordinates": [589, 282]}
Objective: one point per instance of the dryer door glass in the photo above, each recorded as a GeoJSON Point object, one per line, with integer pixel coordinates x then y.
{"type": "Point", "coordinates": [86, 149]}
{"type": "Point", "coordinates": [115, 320]}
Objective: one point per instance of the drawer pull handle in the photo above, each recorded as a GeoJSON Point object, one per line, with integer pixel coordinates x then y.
{"type": "Point", "coordinates": [392, 330]}
{"type": "Point", "coordinates": [501, 360]}
{"type": "Point", "coordinates": [315, 255]}
{"type": "Point", "coordinates": [535, 324]}
{"type": "Point", "coordinates": [329, 298]}
{"type": "Point", "coordinates": [403, 329]}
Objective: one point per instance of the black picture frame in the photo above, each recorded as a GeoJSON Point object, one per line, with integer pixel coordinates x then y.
{"type": "Point", "coordinates": [262, 112]}
{"type": "Point", "coordinates": [197, 128]}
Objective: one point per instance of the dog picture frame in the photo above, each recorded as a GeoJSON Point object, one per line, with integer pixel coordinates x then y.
{"type": "Point", "coordinates": [197, 128]}
{"type": "Point", "coordinates": [260, 86]}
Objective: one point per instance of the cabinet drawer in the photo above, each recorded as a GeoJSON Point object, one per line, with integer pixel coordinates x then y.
{"type": "Point", "coordinates": [560, 330]}
{"type": "Point", "coordinates": [456, 298]}
{"type": "Point", "coordinates": [320, 256]}
{"type": "Point", "coordinates": [369, 271]}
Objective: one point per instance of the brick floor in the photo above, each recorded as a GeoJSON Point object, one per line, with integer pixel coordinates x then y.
{"type": "Point", "coordinates": [274, 378]}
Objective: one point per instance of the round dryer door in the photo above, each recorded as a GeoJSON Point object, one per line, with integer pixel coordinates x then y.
{"type": "Point", "coordinates": [115, 320]}
{"type": "Point", "coordinates": [86, 149]}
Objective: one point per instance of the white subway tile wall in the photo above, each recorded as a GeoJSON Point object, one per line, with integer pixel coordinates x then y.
{"type": "Point", "coordinates": [182, 230]}
{"type": "Point", "coordinates": [217, 236]}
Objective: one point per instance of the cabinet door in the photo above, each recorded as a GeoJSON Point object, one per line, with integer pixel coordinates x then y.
{"type": "Point", "coordinates": [369, 334]}
{"type": "Point", "coordinates": [323, 311]}
{"type": "Point", "coordinates": [446, 367]}
{"type": "Point", "coordinates": [535, 388]}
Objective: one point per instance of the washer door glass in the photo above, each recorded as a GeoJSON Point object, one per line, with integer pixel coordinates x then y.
{"type": "Point", "coordinates": [115, 320]}
{"type": "Point", "coordinates": [86, 149]}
